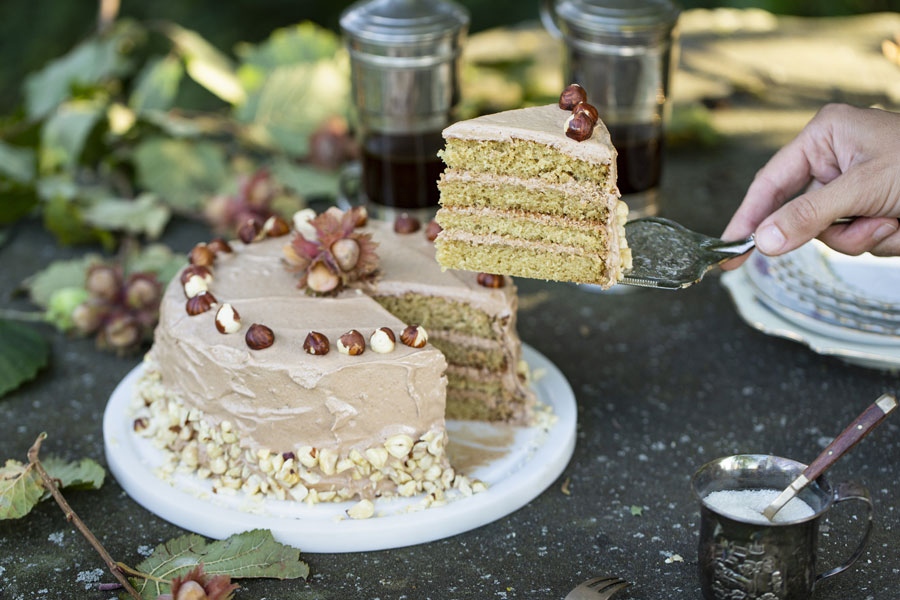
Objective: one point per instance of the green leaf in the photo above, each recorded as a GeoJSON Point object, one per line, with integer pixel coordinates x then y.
{"type": "Point", "coordinates": [65, 132]}
{"type": "Point", "coordinates": [158, 259]}
{"type": "Point", "coordinates": [143, 215]}
{"type": "Point", "coordinates": [157, 85]}
{"type": "Point", "coordinates": [205, 64]}
{"type": "Point", "coordinates": [305, 180]}
{"type": "Point", "coordinates": [16, 163]}
{"type": "Point", "coordinates": [58, 275]}
{"type": "Point", "coordinates": [84, 474]}
{"type": "Point", "coordinates": [62, 304]}
{"type": "Point", "coordinates": [181, 172]}
{"type": "Point", "coordinates": [171, 124]}
{"type": "Point", "coordinates": [23, 352]}
{"type": "Point", "coordinates": [15, 202]}
{"type": "Point", "coordinates": [249, 554]}
{"type": "Point", "coordinates": [20, 489]}
{"type": "Point", "coordinates": [301, 43]}
{"type": "Point", "coordinates": [636, 511]}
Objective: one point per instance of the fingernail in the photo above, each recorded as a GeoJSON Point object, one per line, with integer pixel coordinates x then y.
{"type": "Point", "coordinates": [884, 231]}
{"type": "Point", "coordinates": [769, 239]}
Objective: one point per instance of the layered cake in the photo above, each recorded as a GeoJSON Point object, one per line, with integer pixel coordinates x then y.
{"type": "Point", "coordinates": [532, 192]}
{"type": "Point", "coordinates": [337, 390]}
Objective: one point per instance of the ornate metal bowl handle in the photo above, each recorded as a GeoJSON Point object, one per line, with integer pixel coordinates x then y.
{"type": "Point", "coordinates": [852, 491]}
{"type": "Point", "coordinates": [548, 18]}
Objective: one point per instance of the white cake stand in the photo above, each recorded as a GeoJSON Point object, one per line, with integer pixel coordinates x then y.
{"type": "Point", "coordinates": [529, 464]}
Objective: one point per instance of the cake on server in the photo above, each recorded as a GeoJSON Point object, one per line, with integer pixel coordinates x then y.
{"type": "Point", "coordinates": [338, 390]}
{"type": "Point", "coordinates": [532, 192]}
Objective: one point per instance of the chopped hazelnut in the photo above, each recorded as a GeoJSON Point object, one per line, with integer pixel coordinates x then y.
{"type": "Point", "coordinates": [352, 343]}
{"type": "Point", "coordinates": [414, 336]}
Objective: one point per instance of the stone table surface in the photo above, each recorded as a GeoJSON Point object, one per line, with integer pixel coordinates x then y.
{"type": "Point", "coordinates": [665, 382]}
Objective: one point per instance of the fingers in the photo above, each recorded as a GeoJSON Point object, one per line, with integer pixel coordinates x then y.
{"type": "Point", "coordinates": [862, 235]}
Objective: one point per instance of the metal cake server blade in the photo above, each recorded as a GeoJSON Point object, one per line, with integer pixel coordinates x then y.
{"type": "Point", "coordinates": [670, 256]}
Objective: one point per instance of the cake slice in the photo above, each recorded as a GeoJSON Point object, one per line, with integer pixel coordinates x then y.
{"type": "Point", "coordinates": [521, 197]}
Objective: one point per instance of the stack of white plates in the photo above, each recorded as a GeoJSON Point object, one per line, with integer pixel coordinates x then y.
{"type": "Point", "coordinates": [847, 306]}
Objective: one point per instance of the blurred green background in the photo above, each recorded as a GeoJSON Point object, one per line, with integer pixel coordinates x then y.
{"type": "Point", "coordinates": [34, 31]}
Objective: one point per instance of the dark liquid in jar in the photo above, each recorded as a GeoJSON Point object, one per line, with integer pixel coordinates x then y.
{"type": "Point", "coordinates": [401, 171]}
{"type": "Point", "coordinates": [640, 156]}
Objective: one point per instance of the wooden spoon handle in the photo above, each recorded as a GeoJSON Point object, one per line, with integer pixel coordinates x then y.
{"type": "Point", "coordinates": [857, 430]}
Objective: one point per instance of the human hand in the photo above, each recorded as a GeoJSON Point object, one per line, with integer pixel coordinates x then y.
{"type": "Point", "coordinates": [848, 161]}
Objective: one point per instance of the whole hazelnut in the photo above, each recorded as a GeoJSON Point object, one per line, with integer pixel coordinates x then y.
{"type": "Point", "coordinates": [103, 282]}
{"type": "Point", "coordinates": [249, 231]}
{"type": "Point", "coordinates": [571, 96]}
{"type": "Point", "coordinates": [227, 319]}
{"type": "Point", "coordinates": [259, 337]}
{"type": "Point", "coordinates": [589, 110]}
{"type": "Point", "coordinates": [432, 230]}
{"type": "Point", "coordinates": [361, 214]}
{"type": "Point", "coordinates": [346, 253]}
{"type": "Point", "coordinates": [579, 127]}
{"type": "Point", "coordinates": [195, 285]}
{"type": "Point", "coordinates": [383, 341]}
{"type": "Point", "coordinates": [352, 343]}
{"type": "Point", "coordinates": [276, 226]}
{"type": "Point", "coordinates": [200, 303]}
{"type": "Point", "coordinates": [316, 343]}
{"type": "Point", "coordinates": [321, 278]}
{"type": "Point", "coordinates": [406, 223]}
{"type": "Point", "coordinates": [414, 336]}
{"type": "Point", "coordinates": [202, 256]}
{"type": "Point", "coordinates": [192, 270]}
{"type": "Point", "coordinates": [191, 590]}
{"type": "Point", "coordinates": [220, 246]}
{"type": "Point", "coordinates": [489, 280]}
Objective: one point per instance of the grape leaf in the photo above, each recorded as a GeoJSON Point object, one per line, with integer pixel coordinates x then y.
{"type": "Point", "coordinates": [23, 352]}
{"type": "Point", "coordinates": [20, 490]}
{"type": "Point", "coordinates": [84, 474]}
{"type": "Point", "coordinates": [182, 173]}
{"type": "Point", "coordinates": [250, 554]}
{"type": "Point", "coordinates": [145, 214]}
{"type": "Point", "coordinates": [56, 276]}
{"type": "Point", "coordinates": [157, 85]}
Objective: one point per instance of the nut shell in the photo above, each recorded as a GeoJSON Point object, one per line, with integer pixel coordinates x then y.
{"type": "Point", "coordinates": [414, 336]}
{"type": "Point", "coordinates": [200, 303]}
{"type": "Point", "coordinates": [316, 343]}
{"type": "Point", "coordinates": [259, 337]}
{"type": "Point", "coordinates": [571, 96]}
{"type": "Point", "coordinates": [589, 110]}
{"type": "Point", "coordinates": [432, 230]}
{"type": "Point", "coordinates": [406, 223]}
{"type": "Point", "coordinates": [352, 343]}
{"type": "Point", "coordinates": [249, 231]}
{"type": "Point", "coordinates": [202, 256]}
{"type": "Point", "coordinates": [490, 280]}
{"type": "Point", "coordinates": [228, 320]}
{"type": "Point", "coordinates": [192, 270]}
{"type": "Point", "coordinates": [276, 226]}
{"type": "Point", "coordinates": [579, 127]}
{"type": "Point", "coordinates": [383, 340]}
{"type": "Point", "coordinates": [220, 246]}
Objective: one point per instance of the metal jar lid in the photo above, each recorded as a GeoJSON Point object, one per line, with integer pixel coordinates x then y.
{"type": "Point", "coordinates": [637, 21]}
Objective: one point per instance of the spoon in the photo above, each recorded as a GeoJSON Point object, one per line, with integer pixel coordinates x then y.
{"type": "Point", "coordinates": [857, 430]}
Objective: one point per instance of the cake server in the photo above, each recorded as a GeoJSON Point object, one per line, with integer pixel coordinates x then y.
{"type": "Point", "coordinates": [668, 255]}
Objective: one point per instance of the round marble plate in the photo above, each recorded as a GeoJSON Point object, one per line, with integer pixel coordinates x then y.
{"type": "Point", "coordinates": [518, 463]}
{"type": "Point", "coordinates": [759, 316]}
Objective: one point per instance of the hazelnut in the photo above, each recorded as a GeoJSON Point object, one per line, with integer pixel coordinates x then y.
{"type": "Point", "coordinates": [352, 343]}
{"type": "Point", "coordinates": [321, 278]}
{"type": "Point", "coordinates": [406, 223]}
{"type": "Point", "coordinates": [490, 281]}
{"type": "Point", "coordinates": [382, 341]}
{"type": "Point", "coordinates": [579, 127]}
{"type": "Point", "coordinates": [200, 303]}
{"type": "Point", "coordinates": [571, 96]}
{"type": "Point", "coordinates": [219, 246]}
{"type": "Point", "coordinates": [302, 223]}
{"type": "Point", "coordinates": [142, 291]}
{"type": "Point", "coordinates": [587, 109]}
{"type": "Point", "coordinates": [141, 423]}
{"type": "Point", "coordinates": [227, 319]}
{"type": "Point", "coordinates": [192, 270]}
{"type": "Point", "coordinates": [415, 336]}
{"type": "Point", "coordinates": [202, 256]}
{"type": "Point", "coordinates": [346, 253]}
{"type": "Point", "coordinates": [249, 232]}
{"type": "Point", "coordinates": [259, 337]}
{"type": "Point", "coordinates": [432, 231]}
{"type": "Point", "coordinates": [191, 590]}
{"type": "Point", "coordinates": [316, 343]}
{"type": "Point", "coordinates": [104, 282]}
{"type": "Point", "coordinates": [276, 226]}
{"type": "Point", "coordinates": [195, 285]}
{"type": "Point", "coordinates": [361, 214]}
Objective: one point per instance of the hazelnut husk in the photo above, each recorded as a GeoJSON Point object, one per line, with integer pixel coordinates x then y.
{"type": "Point", "coordinates": [571, 96]}
{"type": "Point", "coordinates": [589, 110]}
{"type": "Point", "coordinates": [220, 246]}
{"type": "Point", "coordinates": [249, 231]}
{"type": "Point", "coordinates": [414, 336]}
{"type": "Point", "coordinates": [406, 223]}
{"type": "Point", "coordinates": [316, 343]}
{"type": "Point", "coordinates": [352, 343]}
{"type": "Point", "coordinates": [346, 253]}
{"type": "Point", "coordinates": [259, 337]}
{"type": "Point", "coordinates": [276, 226]}
{"type": "Point", "coordinates": [490, 280]}
{"type": "Point", "coordinates": [200, 303]}
{"type": "Point", "coordinates": [192, 270]}
{"type": "Point", "coordinates": [579, 127]}
{"type": "Point", "coordinates": [228, 320]}
{"type": "Point", "coordinates": [432, 230]}
{"type": "Point", "coordinates": [202, 256]}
